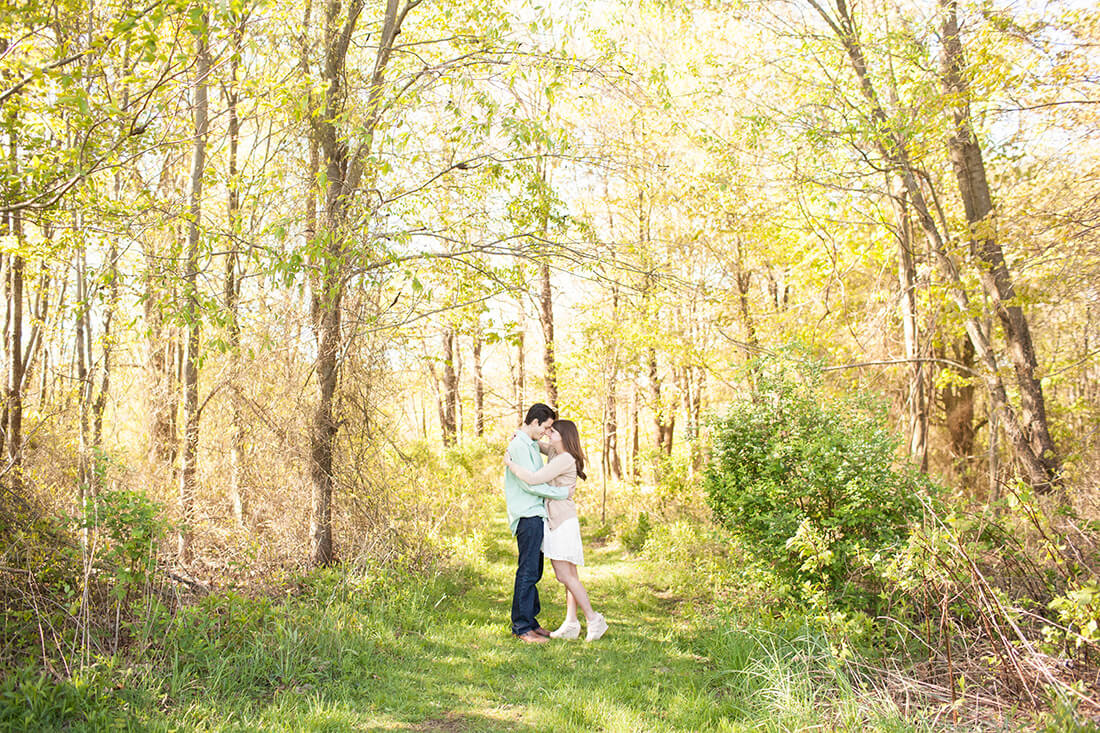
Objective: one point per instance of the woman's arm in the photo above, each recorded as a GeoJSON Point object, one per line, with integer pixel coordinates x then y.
{"type": "Point", "coordinates": [558, 465]}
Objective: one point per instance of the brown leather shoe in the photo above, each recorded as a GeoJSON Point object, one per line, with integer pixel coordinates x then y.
{"type": "Point", "coordinates": [532, 638]}
{"type": "Point", "coordinates": [542, 632]}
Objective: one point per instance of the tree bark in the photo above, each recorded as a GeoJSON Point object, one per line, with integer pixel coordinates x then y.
{"type": "Point", "coordinates": [546, 318]}
{"type": "Point", "coordinates": [612, 463]}
{"type": "Point", "coordinates": [662, 428]}
{"type": "Point", "coordinates": [14, 406]}
{"type": "Point", "coordinates": [99, 406]}
{"type": "Point", "coordinates": [343, 171]}
{"type": "Point", "coordinates": [237, 500]}
{"type": "Point", "coordinates": [161, 342]}
{"type": "Point", "coordinates": [969, 167]}
{"type": "Point", "coordinates": [190, 375]}
{"type": "Point", "coordinates": [521, 377]}
{"type": "Point", "coordinates": [479, 387]}
{"type": "Point", "coordinates": [917, 401]}
{"type": "Point", "coordinates": [635, 441]}
{"type": "Point", "coordinates": [958, 403]}
{"type": "Point", "coordinates": [450, 389]}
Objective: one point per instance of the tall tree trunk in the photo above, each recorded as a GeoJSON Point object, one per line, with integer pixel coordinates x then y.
{"type": "Point", "coordinates": [5, 363]}
{"type": "Point", "coordinates": [479, 386]}
{"type": "Point", "coordinates": [743, 277]}
{"type": "Point", "coordinates": [521, 376]}
{"type": "Point", "coordinates": [891, 146]}
{"type": "Point", "coordinates": [99, 405]}
{"type": "Point", "coordinates": [14, 401]}
{"type": "Point", "coordinates": [344, 169]}
{"type": "Point", "coordinates": [546, 318]}
{"type": "Point", "coordinates": [232, 286]}
{"type": "Point", "coordinates": [612, 463]}
{"type": "Point", "coordinates": [697, 416]}
{"type": "Point", "coordinates": [907, 280]}
{"type": "Point", "coordinates": [32, 354]}
{"type": "Point", "coordinates": [662, 428]}
{"type": "Point", "coordinates": [190, 375]}
{"type": "Point", "coordinates": [966, 159]}
{"type": "Point", "coordinates": [456, 393]}
{"type": "Point", "coordinates": [635, 440]}
{"type": "Point", "coordinates": [13, 406]}
{"type": "Point", "coordinates": [450, 388]}
{"type": "Point", "coordinates": [83, 367]}
{"type": "Point", "coordinates": [958, 403]}
{"type": "Point", "coordinates": [161, 344]}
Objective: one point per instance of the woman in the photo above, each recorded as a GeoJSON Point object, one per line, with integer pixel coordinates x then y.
{"type": "Point", "coordinates": [562, 540]}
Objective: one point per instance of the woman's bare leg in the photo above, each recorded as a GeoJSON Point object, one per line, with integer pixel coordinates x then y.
{"type": "Point", "coordinates": [570, 607]}
{"type": "Point", "coordinates": [566, 573]}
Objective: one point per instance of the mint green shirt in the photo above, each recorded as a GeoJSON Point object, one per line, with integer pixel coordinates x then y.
{"type": "Point", "coordinates": [526, 500]}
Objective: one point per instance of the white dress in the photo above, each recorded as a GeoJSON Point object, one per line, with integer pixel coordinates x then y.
{"type": "Point", "coordinates": [564, 543]}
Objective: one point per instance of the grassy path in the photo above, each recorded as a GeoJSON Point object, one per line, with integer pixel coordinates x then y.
{"type": "Point", "coordinates": [640, 676]}
{"type": "Point", "coordinates": [454, 666]}
{"type": "Point", "coordinates": [380, 650]}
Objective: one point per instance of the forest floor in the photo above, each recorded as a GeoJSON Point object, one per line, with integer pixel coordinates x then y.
{"type": "Point", "coordinates": [440, 657]}
{"type": "Point", "coordinates": [353, 650]}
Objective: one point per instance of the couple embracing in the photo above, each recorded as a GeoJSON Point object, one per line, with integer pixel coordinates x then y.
{"type": "Point", "coordinates": [543, 518]}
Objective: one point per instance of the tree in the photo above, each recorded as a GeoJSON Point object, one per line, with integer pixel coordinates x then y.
{"type": "Point", "coordinates": [344, 167]}
{"type": "Point", "coordinates": [189, 447]}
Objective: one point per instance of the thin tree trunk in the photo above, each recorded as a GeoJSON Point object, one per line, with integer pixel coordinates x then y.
{"type": "Point", "coordinates": [966, 159]}
{"type": "Point", "coordinates": [99, 406]}
{"type": "Point", "coordinates": [232, 287]}
{"type": "Point", "coordinates": [5, 363]}
{"type": "Point", "coordinates": [907, 279]}
{"type": "Point", "coordinates": [13, 422]}
{"type": "Point", "coordinates": [190, 375]}
{"type": "Point", "coordinates": [160, 344]}
{"type": "Point", "coordinates": [662, 428]}
{"type": "Point", "coordinates": [83, 361]}
{"type": "Point", "coordinates": [697, 415]}
{"type": "Point", "coordinates": [479, 387]}
{"type": "Point", "coordinates": [612, 461]}
{"type": "Point", "coordinates": [521, 397]}
{"type": "Point", "coordinates": [744, 280]}
{"type": "Point", "coordinates": [456, 393]}
{"type": "Point", "coordinates": [958, 402]}
{"type": "Point", "coordinates": [635, 442]}
{"type": "Point", "coordinates": [546, 318]}
{"type": "Point", "coordinates": [450, 388]}
{"type": "Point", "coordinates": [14, 404]}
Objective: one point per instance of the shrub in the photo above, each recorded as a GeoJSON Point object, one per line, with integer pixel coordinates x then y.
{"type": "Point", "coordinates": [634, 538]}
{"type": "Point", "coordinates": [809, 484]}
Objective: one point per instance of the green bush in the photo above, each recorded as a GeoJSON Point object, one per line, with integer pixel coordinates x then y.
{"type": "Point", "coordinates": [634, 538]}
{"type": "Point", "coordinates": [808, 482]}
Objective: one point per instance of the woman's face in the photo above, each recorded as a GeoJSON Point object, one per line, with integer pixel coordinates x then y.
{"type": "Point", "coordinates": [555, 438]}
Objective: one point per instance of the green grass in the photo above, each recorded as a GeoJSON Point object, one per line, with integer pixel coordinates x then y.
{"type": "Point", "coordinates": [382, 650]}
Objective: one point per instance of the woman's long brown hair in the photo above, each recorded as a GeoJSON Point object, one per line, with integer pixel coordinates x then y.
{"type": "Point", "coordinates": [571, 443]}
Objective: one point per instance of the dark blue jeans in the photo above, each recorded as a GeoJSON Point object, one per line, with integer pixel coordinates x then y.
{"type": "Point", "coordinates": [525, 594]}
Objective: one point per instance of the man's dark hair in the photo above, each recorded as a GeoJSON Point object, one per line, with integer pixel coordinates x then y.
{"type": "Point", "coordinates": [540, 413]}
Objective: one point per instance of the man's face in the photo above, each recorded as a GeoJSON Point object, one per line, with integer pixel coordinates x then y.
{"type": "Point", "coordinates": [544, 428]}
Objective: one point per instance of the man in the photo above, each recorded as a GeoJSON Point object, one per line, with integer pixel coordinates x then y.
{"type": "Point", "coordinates": [526, 511]}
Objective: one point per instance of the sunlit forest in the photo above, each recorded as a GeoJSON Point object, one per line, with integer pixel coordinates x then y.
{"type": "Point", "coordinates": [818, 281]}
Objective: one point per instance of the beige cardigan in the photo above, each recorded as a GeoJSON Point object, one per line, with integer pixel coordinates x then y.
{"type": "Point", "coordinates": [560, 470]}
